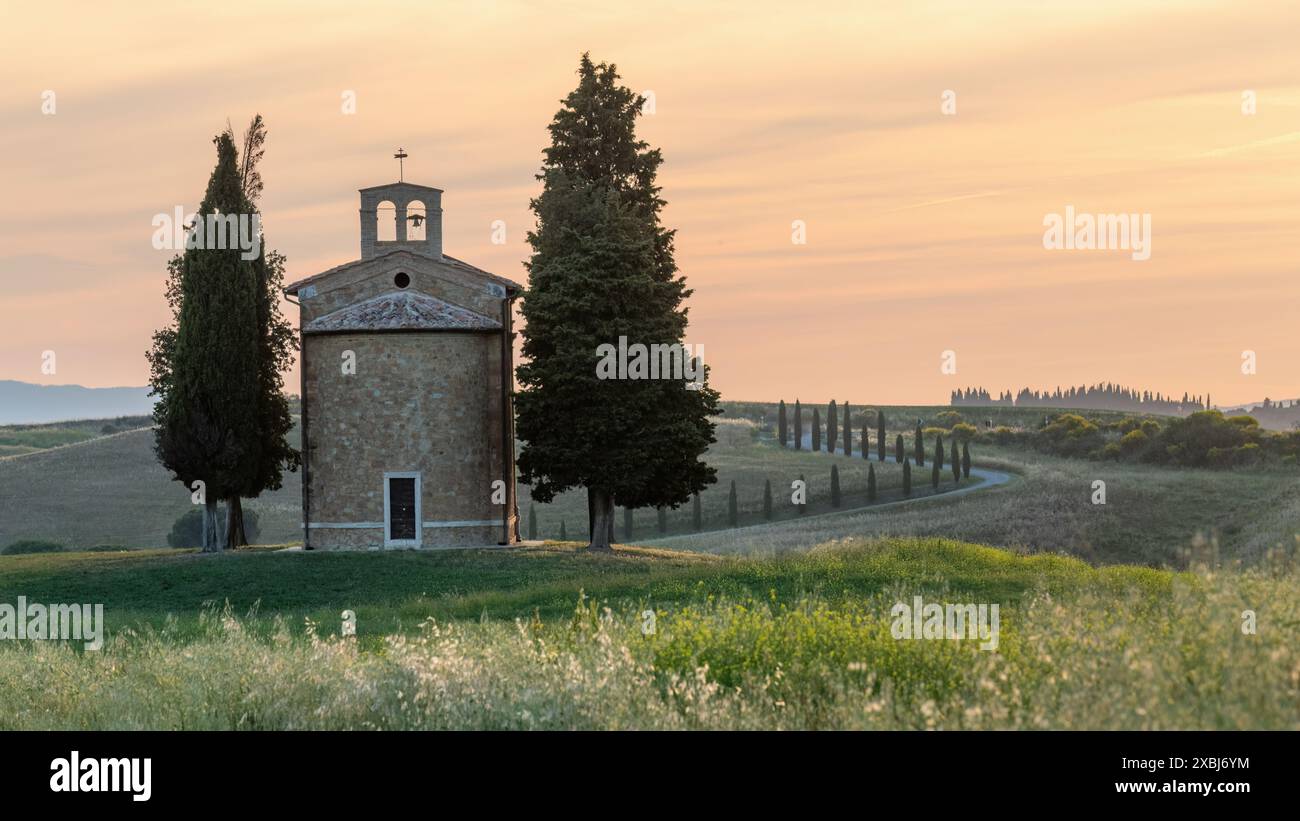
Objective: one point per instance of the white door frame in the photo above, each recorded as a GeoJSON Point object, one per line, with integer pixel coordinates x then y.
{"type": "Point", "coordinates": [389, 541]}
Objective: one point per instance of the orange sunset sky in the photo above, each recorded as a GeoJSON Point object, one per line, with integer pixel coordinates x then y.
{"type": "Point", "coordinates": [924, 229]}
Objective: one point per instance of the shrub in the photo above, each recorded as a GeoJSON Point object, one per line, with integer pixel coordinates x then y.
{"type": "Point", "coordinates": [1133, 441]}
{"type": "Point", "coordinates": [965, 432]}
{"type": "Point", "coordinates": [31, 546]}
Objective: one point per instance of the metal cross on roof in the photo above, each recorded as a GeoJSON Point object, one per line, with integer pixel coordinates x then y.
{"type": "Point", "coordinates": [400, 156]}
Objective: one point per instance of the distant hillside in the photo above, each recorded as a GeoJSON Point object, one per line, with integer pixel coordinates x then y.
{"type": "Point", "coordinates": [1283, 415]}
{"type": "Point", "coordinates": [22, 403]}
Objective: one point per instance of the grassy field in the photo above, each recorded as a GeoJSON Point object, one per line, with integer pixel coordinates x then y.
{"type": "Point", "coordinates": [554, 638]}
{"type": "Point", "coordinates": [111, 491]}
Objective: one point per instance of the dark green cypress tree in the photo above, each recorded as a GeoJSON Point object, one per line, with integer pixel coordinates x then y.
{"type": "Point", "coordinates": [918, 447]}
{"type": "Point", "coordinates": [662, 515]}
{"type": "Point", "coordinates": [866, 438]}
{"type": "Point", "coordinates": [798, 426]}
{"type": "Point", "coordinates": [564, 533]}
{"type": "Point", "coordinates": [207, 370]}
{"type": "Point", "coordinates": [832, 425]}
{"type": "Point", "coordinates": [697, 515]}
{"type": "Point", "coordinates": [907, 477]}
{"type": "Point", "coordinates": [934, 474]}
{"type": "Point", "coordinates": [880, 435]}
{"type": "Point", "coordinates": [847, 429]}
{"type": "Point", "coordinates": [767, 499]}
{"type": "Point", "coordinates": [965, 459]}
{"type": "Point", "coordinates": [598, 241]}
{"type": "Point", "coordinates": [898, 449]}
{"type": "Point", "coordinates": [627, 524]}
{"type": "Point", "coordinates": [733, 509]}
{"type": "Point", "coordinates": [532, 523]}
{"type": "Point", "coordinates": [956, 462]}
{"type": "Point", "coordinates": [782, 431]}
{"type": "Point", "coordinates": [817, 431]}
{"type": "Point", "coordinates": [871, 482]}
{"type": "Point", "coordinates": [835, 486]}
{"type": "Point", "coordinates": [938, 450]}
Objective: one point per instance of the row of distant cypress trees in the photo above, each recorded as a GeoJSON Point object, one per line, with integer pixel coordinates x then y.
{"type": "Point", "coordinates": [959, 461]}
{"type": "Point", "coordinates": [839, 429]}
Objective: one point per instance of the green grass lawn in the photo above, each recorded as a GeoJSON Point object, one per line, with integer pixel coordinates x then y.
{"type": "Point", "coordinates": [396, 590]}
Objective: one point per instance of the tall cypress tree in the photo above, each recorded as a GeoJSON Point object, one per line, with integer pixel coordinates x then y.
{"type": "Point", "coordinates": [767, 499]}
{"type": "Point", "coordinates": [602, 267]}
{"type": "Point", "coordinates": [938, 451]}
{"type": "Point", "coordinates": [564, 533]}
{"type": "Point", "coordinates": [956, 462]}
{"type": "Point", "coordinates": [965, 459]}
{"type": "Point", "coordinates": [835, 486]}
{"type": "Point", "coordinates": [871, 482]}
{"type": "Point", "coordinates": [817, 431]}
{"type": "Point", "coordinates": [798, 426]}
{"type": "Point", "coordinates": [782, 431]}
{"type": "Point", "coordinates": [866, 439]}
{"type": "Point", "coordinates": [733, 509]}
{"type": "Point", "coordinates": [880, 435]}
{"type": "Point", "coordinates": [934, 474]}
{"type": "Point", "coordinates": [217, 420]}
{"type": "Point", "coordinates": [832, 425]}
{"type": "Point", "coordinates": [898, 449]}
{"type": "Point", "coordinates": [907, 477]}
{"type": "Point", "coordinates": [918, 447]}
{"type": "Point", "coordinates": [848, 430]}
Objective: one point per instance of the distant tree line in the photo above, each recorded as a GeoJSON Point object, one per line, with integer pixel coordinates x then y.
{"type": "Point", "coordinates": [1102, 396]}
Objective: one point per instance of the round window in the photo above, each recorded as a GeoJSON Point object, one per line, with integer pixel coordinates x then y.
{"type": "Point", "coordinates": [401, 280]}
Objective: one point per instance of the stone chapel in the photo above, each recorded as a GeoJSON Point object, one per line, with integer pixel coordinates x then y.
{"type": "Point", "coordinates": [407, 372]}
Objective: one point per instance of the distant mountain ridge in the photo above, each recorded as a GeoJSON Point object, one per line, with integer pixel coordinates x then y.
{"type": "Point", "coordinates": [24, 403]}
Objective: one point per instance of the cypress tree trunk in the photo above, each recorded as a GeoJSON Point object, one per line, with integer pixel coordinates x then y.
{"type": "Point", "coordinates": [211, 535]}
{"type": "Point", "coordinates": [235, 536]}
{"type": "Point", "coordinates": [601, 504]}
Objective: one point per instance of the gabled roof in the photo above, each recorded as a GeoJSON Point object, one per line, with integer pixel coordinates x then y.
{"type": "Point", "coordinates": [401, 311]}
{"type": "Point", "coordinates": [447, 261]}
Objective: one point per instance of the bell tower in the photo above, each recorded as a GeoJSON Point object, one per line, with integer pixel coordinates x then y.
{"type": "Point", "coordinates": [412, 207]}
